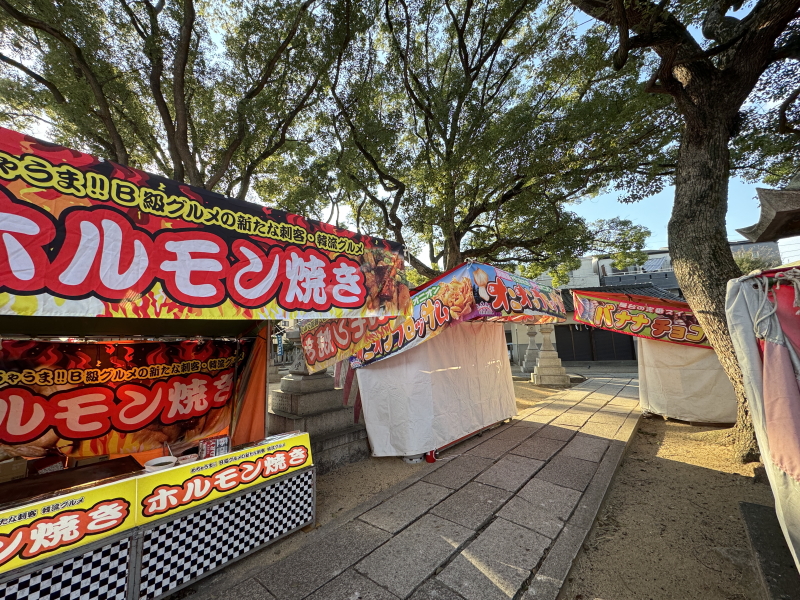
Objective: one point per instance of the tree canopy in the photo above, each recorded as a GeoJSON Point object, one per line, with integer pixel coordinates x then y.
{"type": "Point", "coordinates": [203, 93]}
{"type": "Point", "coordinates": [469, 129]}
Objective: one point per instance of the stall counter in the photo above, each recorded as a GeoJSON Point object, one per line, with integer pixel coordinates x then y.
{"type": "Point", "coordinates": [149, 535]}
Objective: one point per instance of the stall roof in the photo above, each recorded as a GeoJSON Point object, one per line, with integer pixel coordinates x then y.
{"type": "Point", "coordinates": [92, 238]}
{"type": "Point", "coordinates": [469, 292]}
{"type": "Point", "coordinates": [633, 289]}
{"type": "Point", "coordinates": [662, 319]}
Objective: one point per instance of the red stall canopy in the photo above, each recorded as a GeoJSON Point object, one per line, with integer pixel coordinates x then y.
{"type": "Point", "coordinates": [84, 237]}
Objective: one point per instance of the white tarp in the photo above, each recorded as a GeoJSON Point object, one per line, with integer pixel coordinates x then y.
{"type": "Point", "coordinates": [684, 382]}
{"type": "Point", "coordinates": [751, 318]}
{"type": "Point", "coordinates": [453, 385]}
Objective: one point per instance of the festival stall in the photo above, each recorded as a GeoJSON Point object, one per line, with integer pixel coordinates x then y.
{"type": "Point", "coordinates": [442, 374]}
{"type": "Point", "coordinates": [679, 373]}
{"type": "Point", "coordinates": [131, 312]}
{"type": "Point", "coordinates": [762, 312]}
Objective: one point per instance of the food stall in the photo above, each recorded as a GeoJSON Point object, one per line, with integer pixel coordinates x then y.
{"type": "Point", "coordinates": [432, 379]}
{"type": "Point", "coordinates": [762, 313]}
{"type": "Point", "coordinates": [680, 375]}
{"type": "Point", "coordinates": [133, 457]}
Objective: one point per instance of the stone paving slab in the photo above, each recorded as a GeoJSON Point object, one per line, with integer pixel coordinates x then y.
{"type": "Point", "coordinates": [541, 506]}
{"type": "Point", "coordinates": [458, 471]}
{"type": "Point", "coordinates": [568, 472]}
{"type": "Point", "coordinates": [413, 555]}
{"type": "Point", "coordinates": [497, 563]}
{"type": "Point", "coordinates": [559, 561]}
{"type": "Point", "coordinates": [349, 586]}
{"type": "Point", "coordinates": [586, 447]}
{"type": "Point", "coordinates": [472, 505]}
{"type": "Point", "coordinates": [575, 418]}
{"type": "Point", "coordinates": [395, 513]}
{"type": "Point", "coordinates": [517, 434]}
{"type": "Point", "coordinates": [540, 448]}
{"type": "Point", "coordinates": [434, 590]}
{"type": "Point", "coordinates": [308, 570]}
{"type": "Point", "coordinates": [602, 430]}
{"type": "Point", "coordinates": [510, 472]}
{"type": "Point", "coordinates": [493, 448]}
{"type": "Point", "coordinates": [557, 433]}
{"type": "Point", "coordinates": [250, 589]}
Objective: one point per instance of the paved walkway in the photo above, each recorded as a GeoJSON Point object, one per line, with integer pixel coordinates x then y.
{"type": "Point", "coordinates": [502, 516]}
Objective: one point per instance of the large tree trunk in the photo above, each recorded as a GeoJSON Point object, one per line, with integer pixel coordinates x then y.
{"type": "Point", "coordinates": [697, 239]}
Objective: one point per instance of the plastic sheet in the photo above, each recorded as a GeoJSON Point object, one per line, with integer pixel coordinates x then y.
{"type": "Point", "coordinates": [432, 395]}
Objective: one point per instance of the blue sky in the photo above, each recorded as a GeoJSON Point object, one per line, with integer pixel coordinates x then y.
{"type": "Point", "coordinates": [654, 212]}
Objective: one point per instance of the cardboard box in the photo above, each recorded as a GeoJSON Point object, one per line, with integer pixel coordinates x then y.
{"type": "Point", "coordinates": [15, 468]}
{"type": "Point", "coordinates": [213, 446]}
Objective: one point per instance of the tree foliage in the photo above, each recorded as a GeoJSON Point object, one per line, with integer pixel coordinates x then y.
{"type": "Point", "coordinates": [752, 260]}
{"type": "Point", "coordinates": [205, 93]}
{"type": "Point", "coordinates": [466, 130]}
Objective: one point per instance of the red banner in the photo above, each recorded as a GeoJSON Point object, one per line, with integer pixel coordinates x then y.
{"type": "Point", "coordinates": [640, 316]}
{"type": "Point", "coordinates": [80, 236]}
{"type": "Point", "coordinates": [469, 292]}
{"type": "Point", "coordinates": [86, 399]}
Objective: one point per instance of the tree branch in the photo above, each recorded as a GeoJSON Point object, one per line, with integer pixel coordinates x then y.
{"type": "Point", "coordinates": [182, 51]}
{"type": "Point", "coordinates": [155, 55]}
{"type": "Point", "coordinates": [76, 53]}
{"type": "Point", "coordinates": [59, 97]}
{"type": "Point", "coordinates": [264, 77]}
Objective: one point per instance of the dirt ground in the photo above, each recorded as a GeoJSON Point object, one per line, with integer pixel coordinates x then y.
{"type": "Point", "coordinates": [671, 527]}
{"type": "Point", "coordinates": [528, 395]}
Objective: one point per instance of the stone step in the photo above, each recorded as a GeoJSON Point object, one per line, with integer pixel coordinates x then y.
{"type": "Point", "coordinates": [549, 362]}
{"type": "Point", "coordinates": [305, 384]}
{"type": "Point", "coordinates": [318, 424]}
{"type": "Point", "coordinates": [550, 371]}
{"type": "Point", "coordinates": [305, 404]}
{"type": "Point", "coordinates": [340, 448]}
{"type": "Point", "coordinates": [550, 379]}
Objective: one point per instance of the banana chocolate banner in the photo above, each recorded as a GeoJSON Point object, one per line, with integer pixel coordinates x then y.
{"type": "Point", "coordinates": [121, 397]}
{"type": "Point", "coordinates": [469, 292]}
{"type": "Point", "coordinates": [640, 316]}
{"type": "Point", "coordinates": [80, 236]}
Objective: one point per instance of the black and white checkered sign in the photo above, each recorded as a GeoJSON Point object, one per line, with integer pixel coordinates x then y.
{"type": "Point", "coordinates": [100, 574]}
{"type": "Point", "coordinates": [187, 547]}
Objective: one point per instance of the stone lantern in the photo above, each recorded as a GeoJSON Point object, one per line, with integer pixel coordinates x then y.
{"type": "Point", "coordinates": [548, 369]}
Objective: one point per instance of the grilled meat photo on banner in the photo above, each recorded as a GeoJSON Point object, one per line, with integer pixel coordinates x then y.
{"type": "Point", "coordinates": [121, 397]}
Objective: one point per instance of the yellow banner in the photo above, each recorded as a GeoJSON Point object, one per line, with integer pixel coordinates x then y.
{"type": "Point", "coordinates": [174, 490]}
{"type": "Point", "coordinates": [37, 531]}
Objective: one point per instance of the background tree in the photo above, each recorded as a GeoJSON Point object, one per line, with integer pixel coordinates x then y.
{"type": "Point", "coordinates": [205, 95]}
{"type": "Point", "coordinates": [751, 260]}
{"type": "Point", "coordinates": [463, 130]}
{"type": "Point", "coordinates": [710, 81]}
